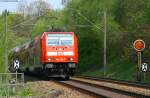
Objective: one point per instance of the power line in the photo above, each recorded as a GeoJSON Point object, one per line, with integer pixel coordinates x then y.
{"type": "Point", "coordinates": [88, 20]}
{"type": "Point", "coordinates": [27, 20]}
{"type": "Point", "coordinates": [105, 36]}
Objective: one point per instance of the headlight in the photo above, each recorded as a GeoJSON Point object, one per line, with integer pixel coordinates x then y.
{"type": "Point", "coordinates": [71, 59]}
{"type": "Point", "coordinates": [68, 53]}
{"type": "Point", "coordinates": [49, 59]}
{"type": "Point", "coordinates": [51, 53]}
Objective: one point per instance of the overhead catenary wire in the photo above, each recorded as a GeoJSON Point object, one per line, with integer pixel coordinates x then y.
{"type": "Point", "coordinates": [105, 38]}
{"type": "Point", "coordinates": [88, 20]}
{"type": "Point", "coordinates": [28, 20]}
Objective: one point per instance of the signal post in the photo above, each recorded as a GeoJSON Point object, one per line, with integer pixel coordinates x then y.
{"type": "Point", "coordinates": [139, 46]}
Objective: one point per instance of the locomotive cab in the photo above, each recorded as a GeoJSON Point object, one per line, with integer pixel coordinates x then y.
{"type": "Point", "coordinates": [60, 53]}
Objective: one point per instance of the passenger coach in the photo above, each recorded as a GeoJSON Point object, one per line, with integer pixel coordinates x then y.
{"type": "Point", "coordinates": [51, 54]}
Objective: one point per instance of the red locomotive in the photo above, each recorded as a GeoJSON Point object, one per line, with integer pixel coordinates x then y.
{"type": "Point", "coordinates": [51, 54]}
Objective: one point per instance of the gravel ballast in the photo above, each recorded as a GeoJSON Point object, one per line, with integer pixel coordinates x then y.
{"type": "Point", "coordinates": [50, 89]}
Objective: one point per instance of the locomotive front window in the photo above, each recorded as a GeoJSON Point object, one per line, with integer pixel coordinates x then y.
{"type": "Point", "coordinates": [59, 40]}
{"type": "Point", "coordinates": [66, 42]}
{"type": "Point", "coordinates": [52, 42]}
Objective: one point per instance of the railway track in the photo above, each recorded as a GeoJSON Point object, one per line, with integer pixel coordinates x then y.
{"type": "Point", "coordinates": [108, 88]}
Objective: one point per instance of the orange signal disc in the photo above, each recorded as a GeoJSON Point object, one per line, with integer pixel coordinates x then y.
{"type": "Point", "coordinates": [139, 45]}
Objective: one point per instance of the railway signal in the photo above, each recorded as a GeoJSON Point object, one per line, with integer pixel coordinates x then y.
{"type": "Point", "coordinates": [16, 64]}
{"type": "Point", "coordinates": [139, 46]}
{"type": "Point", "coordinates": [144, 67]}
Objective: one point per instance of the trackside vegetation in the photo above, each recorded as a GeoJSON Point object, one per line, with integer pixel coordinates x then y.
{"type": "Point", "coordinates": [20, 92]}
{"type": "Point", "coordinates": [127, 20]}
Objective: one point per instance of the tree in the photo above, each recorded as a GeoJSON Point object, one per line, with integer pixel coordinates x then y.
{"type": "Point", "coordinates": [130, 13]}
{"type": "Point", "coordinates": [86, 19]}
{"type": "Point", "coordinates": [37, 8]}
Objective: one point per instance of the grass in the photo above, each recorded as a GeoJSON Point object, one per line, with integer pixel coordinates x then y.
{"type": "Point", "coordinates": [19, 92]}
{"type": "Point", "coordinates": [122, 69]}
{"type": "Point", "coordinates": [94, 73]}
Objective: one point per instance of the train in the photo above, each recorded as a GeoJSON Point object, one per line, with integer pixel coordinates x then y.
{"type": "Point", "coordinates": [52, 54]}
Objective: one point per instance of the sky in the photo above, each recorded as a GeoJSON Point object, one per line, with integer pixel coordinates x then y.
{"type": "Point", "coordinates": [12, 6]}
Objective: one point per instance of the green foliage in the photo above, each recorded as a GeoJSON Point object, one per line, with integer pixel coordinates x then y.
{"type": "Point", "coordinates": [26, 92]}
{"type": "Point", "coordinates": [2, 46]}
{"type": "Point", "coordinates": [127, 20]}
{"type": "Point", "coordinates": [88, 21]}
{"type": "Point", "coordinates": [116, 69]}
{"type": "Point", "coordinates": [20, 92]}
{"type": "Point", "coordinates": [132, 14]}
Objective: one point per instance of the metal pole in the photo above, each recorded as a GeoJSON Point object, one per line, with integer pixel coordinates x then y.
{"type": "Point", "coordinates": [16, 82]}
{"type": "Point", "coordinates": [139, 66]}
{"type": "Point", "coordinates": [144, 77]}
{"type": "Point", "coordinates": [105, 31]}
{"type": "Point", "coordinates": [6, 57]}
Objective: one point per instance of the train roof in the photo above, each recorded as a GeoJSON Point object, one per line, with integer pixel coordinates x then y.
{"type": "Point", "coordinates": [36, 39]}
{"type": "Point", "coordinates": [58, 33]}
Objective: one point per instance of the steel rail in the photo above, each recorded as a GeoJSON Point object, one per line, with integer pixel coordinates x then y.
{"type": "Point", "coordinates": [97, 90]}
{"type": "Point", "coordinates": [123, 82]}
{"type": "Point", "coordinates": [131, 84]}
